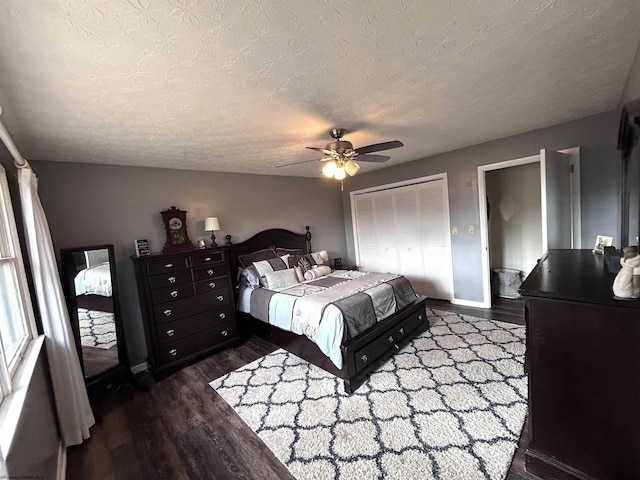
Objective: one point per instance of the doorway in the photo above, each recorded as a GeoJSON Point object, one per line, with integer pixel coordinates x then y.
{"type": "Point", "coordinates": [527, 206]}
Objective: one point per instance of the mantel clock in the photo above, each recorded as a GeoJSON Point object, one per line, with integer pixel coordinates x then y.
{"type": "Point", "coordinates": [175, 225]}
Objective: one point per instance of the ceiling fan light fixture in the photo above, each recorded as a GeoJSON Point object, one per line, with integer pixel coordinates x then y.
{"type": "Point", "coordinates": [329, 169]}
{"type": "Point", "coordinates": [340, 174]}
{"type": "Point", "coordinates": [351, 168]}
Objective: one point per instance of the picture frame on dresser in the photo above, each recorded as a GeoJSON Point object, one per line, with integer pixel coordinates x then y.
{"type": "Point", "coordinates": [187, 306]}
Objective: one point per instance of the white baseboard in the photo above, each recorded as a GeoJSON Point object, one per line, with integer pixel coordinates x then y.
{"type": "Point", "coordinates": [469, 303]}
{"type": "Point", "coordinates": [141, 367]}
{"type": "Point", "coordinates": [61, 472]}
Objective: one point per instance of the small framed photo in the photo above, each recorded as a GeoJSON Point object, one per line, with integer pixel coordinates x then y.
{"type": "Point", "coordinates": [142, 248]}
{"type": "Point", "coordinates": [601, 242]}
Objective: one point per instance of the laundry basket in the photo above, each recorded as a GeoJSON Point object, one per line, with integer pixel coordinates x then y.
{"type": "Point", "coordinates": [506, 282]}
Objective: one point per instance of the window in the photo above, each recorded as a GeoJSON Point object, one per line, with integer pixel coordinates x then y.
{"type": "Point", "coordinates": [17, 325]}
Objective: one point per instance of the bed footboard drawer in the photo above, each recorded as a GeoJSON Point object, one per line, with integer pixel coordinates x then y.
{"type": "Point", "coordinates": [408, 325]}
{"type": "Point", "coordinates": [371, 351]}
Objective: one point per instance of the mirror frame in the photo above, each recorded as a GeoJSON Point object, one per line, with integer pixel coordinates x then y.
{"type": "Point", "coordinates": [121, 371]}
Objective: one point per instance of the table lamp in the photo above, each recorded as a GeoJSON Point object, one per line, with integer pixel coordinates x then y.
{"type": "Point", "coordinates": [211, 224]}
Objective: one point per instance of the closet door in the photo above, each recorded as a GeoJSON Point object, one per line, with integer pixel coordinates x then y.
{"type": "Point", "coordinates": [367, 239]}
{"type": "Point", "coordinates": [386, 231]}
{"type": "Point", "coordinates": [436, 251]}
{"type": "Point", "coordinates": [409, 236]}
{"type": "Point", "coordinates": [405, 230]}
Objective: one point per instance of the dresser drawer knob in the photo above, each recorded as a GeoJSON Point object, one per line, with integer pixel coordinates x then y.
{"type": "Point", "coordinates": [168, 265]}
{"type": "Point", "coordinates": [167, 312]}
{"type": "Point", "coordinates": [223, 315]}
{"type": "Point", "coordinates": [171, 332]}
{"type": "Point", "coordinates": [220, 298]}
{"type": "Point", "coordinates": [208, 259]}
{"type": "Point", "coordinates": [173, 352]}
{"type": "Point", "coordinates": [390, 338]}
{"type": "Point", "coordinates": [210, 272]}
{"type": "Point", "coordinates": [420, 317]}
{"type": "Point", "coordinates": [212, 284]}
{"type": "Point", "coordinates": [224, 333]}
{"type": "Point", "coordinates": [401, 331]}
{"type": "Point", "coordinates": [172, 279]}
{"type": "Point", "coordinates": [174, 294]}
{"type": "Point", "coordinates": [364, 358]}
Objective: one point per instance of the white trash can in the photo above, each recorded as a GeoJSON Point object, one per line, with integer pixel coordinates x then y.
{"type": "Point", "coordinates": [506, 282]}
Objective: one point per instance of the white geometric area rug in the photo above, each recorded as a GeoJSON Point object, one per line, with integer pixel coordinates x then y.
{"type": "Point", "coordinates": [97, 329]}
{"type": "Point", "coordinates": [449, 405]}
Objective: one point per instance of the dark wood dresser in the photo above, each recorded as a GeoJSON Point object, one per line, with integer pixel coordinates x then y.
{"type": "Point", "coordinates": [187, 305]}
{"type": "Point", "coordinates": [583, 362]}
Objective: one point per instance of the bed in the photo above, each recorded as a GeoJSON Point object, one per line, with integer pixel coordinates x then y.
{"type": "Point", "coordinates": [95, 280]}
{"type": "Point", "coordinates": [92, 282]}
{"type": "Point", "coordinates": [353, 330]}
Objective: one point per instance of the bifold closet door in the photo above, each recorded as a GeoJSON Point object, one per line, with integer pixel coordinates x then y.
{"type": "Point", "coordinates": [405, 230]}
{"type": "Point", "coordinates": [433, 208]}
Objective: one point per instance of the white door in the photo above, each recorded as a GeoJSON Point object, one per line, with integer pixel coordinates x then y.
{"type": "Point", "coordinates": [404, 229]}
{"type": "Point", "coordinates": [557, 214]}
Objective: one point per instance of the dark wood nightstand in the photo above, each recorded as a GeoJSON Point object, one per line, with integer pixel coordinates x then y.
{"type": "Point", "coordinates": [346, 267]}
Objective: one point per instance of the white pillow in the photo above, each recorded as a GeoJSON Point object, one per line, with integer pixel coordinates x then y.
{"type": "Point", "coordinates": [267, 266]}
{"type": "Point", "coordinates": [281, 279]}
{"type": "Point", "coordinates": [317, 256]}
{"type": "Point", "coordinates": [317, 272]}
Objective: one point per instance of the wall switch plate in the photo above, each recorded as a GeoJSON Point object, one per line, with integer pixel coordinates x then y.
{"type": "Point", "coordinates": [472, 229]}
{"type": "Point", "coordinates": [454, 230]}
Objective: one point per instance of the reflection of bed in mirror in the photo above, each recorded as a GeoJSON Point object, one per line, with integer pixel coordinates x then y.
{"type": "Point", "coordinates": [89, 281]}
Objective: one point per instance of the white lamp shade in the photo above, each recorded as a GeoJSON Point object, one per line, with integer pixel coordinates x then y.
{"type": "Point", "coordinates": [351, 168]}
{"type": "Point", "coordinates": [211, 224]}
{"type": "Point", "coordinates": [339, 175]}
{"type": "Point", "coordinates": [324, 255]}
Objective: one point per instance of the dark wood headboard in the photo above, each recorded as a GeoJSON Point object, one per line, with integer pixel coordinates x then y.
{"type": "Point", "coordinates": [275, 237]}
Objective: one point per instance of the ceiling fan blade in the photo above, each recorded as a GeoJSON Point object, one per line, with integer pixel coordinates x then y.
{"type": "Point", "coordinates": [323, 150]}
{"type": "Point", "coordinates": [371, 158]}
{"type": "Point", "coordinates": [302, 161]}
{"type": "Point", "coordinates": [378, 147]}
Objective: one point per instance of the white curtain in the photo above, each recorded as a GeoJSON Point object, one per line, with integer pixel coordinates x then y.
{"type": "Point", "coordinates": [72, 403]}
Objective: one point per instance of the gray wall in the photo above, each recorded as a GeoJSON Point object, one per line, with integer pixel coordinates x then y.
{"type": "Point", "coordinates": [600, 183]}
{"type": "Point", "coordinates": [89, 204]}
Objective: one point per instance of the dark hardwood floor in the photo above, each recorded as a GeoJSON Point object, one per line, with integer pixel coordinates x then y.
{"type": "Point", "coordinates": [182, 429]}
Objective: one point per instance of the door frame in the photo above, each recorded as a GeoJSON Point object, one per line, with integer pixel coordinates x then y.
{"type": "Point", "coordinates": [414, 181]}
{"type": "Point", "coordinates": [484, 224]}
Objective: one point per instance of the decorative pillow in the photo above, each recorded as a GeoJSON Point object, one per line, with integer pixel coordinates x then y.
{"type": "Point", "coordinates": [248, 258]}
{"type": "Point", "coordinates": [281, 279]}
{"type": "Point", "coordinates": [305, 262]}
{"type": "Point", "coordinates": [317, 256]}
{"type": "Point", "coordinates": [299, 274]}
{"type": "Point", "coordinates": [289, 251]}
{"type": "Point", "coordinates": [317, 272]}
{"type": "Point", "coordinates": [250, 277]}
{"type": "Point", "coordinates": [267, 266]}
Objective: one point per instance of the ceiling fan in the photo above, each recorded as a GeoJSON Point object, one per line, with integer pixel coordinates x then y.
{"type": "Point", "coordinates": [340, 155]}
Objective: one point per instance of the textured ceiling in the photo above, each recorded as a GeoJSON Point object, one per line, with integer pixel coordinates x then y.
{"type": "Point", "coordinates": [243, 86]}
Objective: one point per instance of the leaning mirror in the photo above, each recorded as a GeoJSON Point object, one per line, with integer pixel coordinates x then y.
{"type": "Point", "coordinates": [90, 284]}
